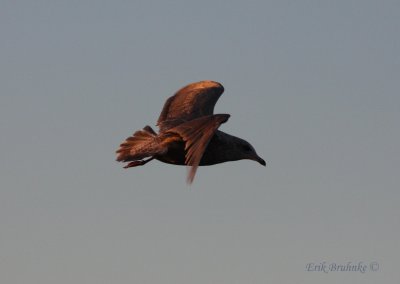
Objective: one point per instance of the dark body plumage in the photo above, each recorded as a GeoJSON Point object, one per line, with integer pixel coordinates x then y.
{"type": "Point", "coordinates": [188, 133]}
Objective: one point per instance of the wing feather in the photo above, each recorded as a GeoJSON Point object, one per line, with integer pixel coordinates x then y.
{"type": "Point", "coordinates": [197, 134]}
{"type": "Point", "coordinates": [192, 101]}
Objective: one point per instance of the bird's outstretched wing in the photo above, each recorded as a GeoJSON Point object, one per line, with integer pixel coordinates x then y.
{"type": "Point", "coordinates": [192, 101]}
{"type": "Point", "coordinates": [197, 133]}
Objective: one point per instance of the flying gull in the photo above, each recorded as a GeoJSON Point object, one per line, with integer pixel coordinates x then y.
{"type": "Point", "coordinates": [188, 133]}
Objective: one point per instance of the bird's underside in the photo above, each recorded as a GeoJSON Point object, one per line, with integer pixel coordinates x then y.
{"type": "Point", "coordinates": [184, 144]}
{"type": "Point", "coordinates": [212, 155]}
{"type": "Point", "coordinates": [188, 133]}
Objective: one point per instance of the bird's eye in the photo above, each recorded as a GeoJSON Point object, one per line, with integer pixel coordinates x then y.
{"type": "Point", "coordinates": [246, 148]}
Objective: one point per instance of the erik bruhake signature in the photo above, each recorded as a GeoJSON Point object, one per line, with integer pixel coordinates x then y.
{"type": "Point", "coordinates": [349, 266]}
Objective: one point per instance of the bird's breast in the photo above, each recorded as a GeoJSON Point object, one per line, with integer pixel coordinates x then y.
{"type": "Point", "coordinates": [216, 152]}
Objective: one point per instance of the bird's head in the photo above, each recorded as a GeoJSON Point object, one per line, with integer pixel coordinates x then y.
{"type": "Point", "coordinates": [244, 150]}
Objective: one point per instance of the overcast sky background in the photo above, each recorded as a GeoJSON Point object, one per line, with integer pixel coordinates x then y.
{"type": "Point", "coordinates": [312, 85]}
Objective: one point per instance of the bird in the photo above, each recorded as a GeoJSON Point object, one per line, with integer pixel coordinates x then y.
{"type": "Point", "coordinates": [188, 134]}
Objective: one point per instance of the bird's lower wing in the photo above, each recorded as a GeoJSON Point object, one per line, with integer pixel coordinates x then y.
{"type": "Point", "coordinates": [197, 134]}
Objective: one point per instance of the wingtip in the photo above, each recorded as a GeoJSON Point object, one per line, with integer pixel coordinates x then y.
{"type": "Point", "coordinates": [206, 84]}
{"type": "Point", "coordinates": [215, 84]}
{"type": "Point", "coordinates": [191, 174]}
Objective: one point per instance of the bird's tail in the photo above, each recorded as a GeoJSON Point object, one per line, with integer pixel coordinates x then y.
{"type": "Point", "coordinates": [138, 146]}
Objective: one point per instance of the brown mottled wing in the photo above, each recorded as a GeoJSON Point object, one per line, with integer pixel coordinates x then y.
{"type": "Point", "coordinates": [192, 101]}
{"type": "Point", "coordinates": [197, 134]}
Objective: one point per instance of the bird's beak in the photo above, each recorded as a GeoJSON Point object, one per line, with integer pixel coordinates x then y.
{"type": "Point", "coordinates": [260, 160]}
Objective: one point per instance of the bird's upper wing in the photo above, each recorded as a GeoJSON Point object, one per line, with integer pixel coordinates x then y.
{"type": "Point", "coordinates": [192, 101]}
{"type": "Point", "coordinates": [197, 133]}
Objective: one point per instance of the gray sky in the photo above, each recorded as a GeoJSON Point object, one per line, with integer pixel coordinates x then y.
{"type": "Point", "coordinates": [313, 85]}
